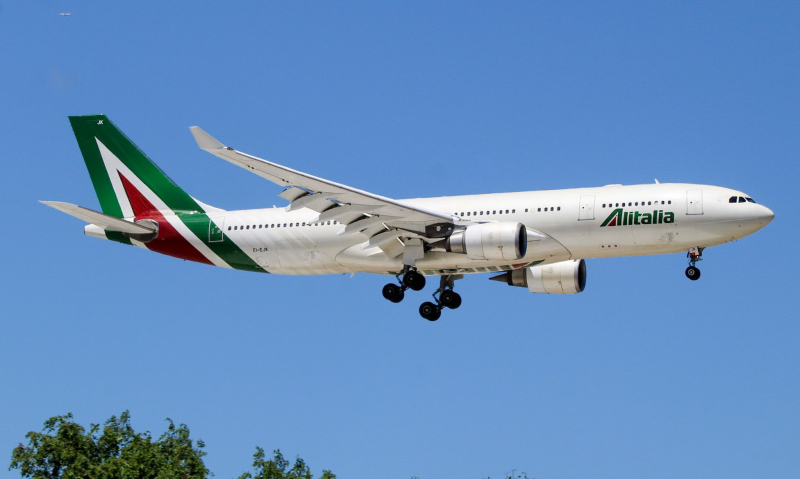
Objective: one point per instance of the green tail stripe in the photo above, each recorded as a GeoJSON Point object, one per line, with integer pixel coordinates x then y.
{"type": "Point", "coordinates": [226, 249]}
{"type": "Point", "coordinates": [89, 127]}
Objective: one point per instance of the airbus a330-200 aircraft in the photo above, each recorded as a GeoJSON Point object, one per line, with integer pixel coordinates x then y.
{"type": "Point", "coordinates": [535, 239]}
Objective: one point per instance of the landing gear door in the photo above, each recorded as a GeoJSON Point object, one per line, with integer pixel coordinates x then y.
{"type": "Point", "coordinates": [215, 224]}
{"type": "Point", "coordinates": [587, 208]}
{"type": "Point", "coordinates": [694, 202]}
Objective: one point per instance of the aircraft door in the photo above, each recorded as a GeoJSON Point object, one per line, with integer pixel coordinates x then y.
{"type": "Point", "coordinates": [215, 225]}
{"type": "Point", "coordinates": [694, 202]}
{"type": "Point", "coordinates": [587, 208]}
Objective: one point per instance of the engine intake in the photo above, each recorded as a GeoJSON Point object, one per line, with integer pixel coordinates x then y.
{"type": "Point", "coordinates": [491, 241]}
{"type": "Point", "coordinates": [565, 277]}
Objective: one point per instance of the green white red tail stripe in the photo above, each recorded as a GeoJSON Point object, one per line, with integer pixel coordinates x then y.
{"type": "Point", "coordinates": [129, 185]}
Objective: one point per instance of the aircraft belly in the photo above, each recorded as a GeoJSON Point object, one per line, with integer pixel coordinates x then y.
{"type": "Point", "coordinates": [303, 256]}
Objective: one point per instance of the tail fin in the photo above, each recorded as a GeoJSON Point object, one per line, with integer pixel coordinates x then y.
{"type": "Point", "coordinates": [122, 175]}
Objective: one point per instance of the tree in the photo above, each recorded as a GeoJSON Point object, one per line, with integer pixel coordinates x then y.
{"type": "Point", "coordinates": [275, 468]}
{"type": "Point", "coordinates": [65, 450]}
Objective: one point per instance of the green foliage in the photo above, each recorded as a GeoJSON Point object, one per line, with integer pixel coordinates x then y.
{"type": "Point", "coordinates": [276, 468]}
{"type": "Point", "coordinates": [65, 450]}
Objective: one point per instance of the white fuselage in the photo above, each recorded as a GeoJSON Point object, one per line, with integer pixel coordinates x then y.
{"type": "Point", "coordinates": [569, 224]}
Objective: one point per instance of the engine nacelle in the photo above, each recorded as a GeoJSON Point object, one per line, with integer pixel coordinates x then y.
{"type": "Point", "coordinates": [145, 237]}
{"type": "Point", "coordinates": [491, 241]}
{"type": "Point", "coordinates": [566, 277]}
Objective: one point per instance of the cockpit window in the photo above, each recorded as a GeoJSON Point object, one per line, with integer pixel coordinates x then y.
{"type": "Point", "coordinates": [742, 200]}
{"type": "Point", "coordinates": [751, 200]}
{"type": "Point", "coordinates": [732, 199]}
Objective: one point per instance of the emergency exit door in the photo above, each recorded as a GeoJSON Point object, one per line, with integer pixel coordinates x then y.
{"type": "Point", "coordinates": [694, 202]}
{"type": "Point", "coordinates": [587, 208]}
{"type": "Point", "coordinates": [215, 234]}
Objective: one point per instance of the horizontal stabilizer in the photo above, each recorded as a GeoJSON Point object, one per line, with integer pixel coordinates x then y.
{"type": "Point", "coordinates": [108, 223]}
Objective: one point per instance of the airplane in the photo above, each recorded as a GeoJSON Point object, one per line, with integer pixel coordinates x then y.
{"type": "Point", "coordinates": [537, 240]}
{"type": "Point", "coordinates": [65, 14]}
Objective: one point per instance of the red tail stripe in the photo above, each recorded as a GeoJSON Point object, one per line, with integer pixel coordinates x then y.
{"type": "Point", "coordinates": [169, 241]}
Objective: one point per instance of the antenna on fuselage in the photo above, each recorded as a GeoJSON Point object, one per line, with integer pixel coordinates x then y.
{"type": "Point", "coordinates": [657, 182]}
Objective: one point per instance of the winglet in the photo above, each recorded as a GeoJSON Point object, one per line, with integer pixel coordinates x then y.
{"type": "Point", "coordinates": [204, 140]}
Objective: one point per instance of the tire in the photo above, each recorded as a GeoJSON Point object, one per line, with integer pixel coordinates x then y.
{"type": "Point", "coordinates": [451, 299]}
{"type": "Point", "coordinates": [413, 280]}
{"type": "Point", "coordinates": [692, 273]}
{"type": "Point", "coordinates": [429, 311]}
{"type": "Point", "coordinates": [393, 293]}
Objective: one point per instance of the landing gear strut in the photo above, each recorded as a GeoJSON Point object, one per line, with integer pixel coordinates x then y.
{"type": "Point", "coordinates": [445, 298]}
{"type": "Point", "coordinates": [695, 254]}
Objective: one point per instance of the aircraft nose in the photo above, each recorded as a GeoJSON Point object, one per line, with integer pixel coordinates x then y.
{"type": "Point", "coordinates": [766, 215]}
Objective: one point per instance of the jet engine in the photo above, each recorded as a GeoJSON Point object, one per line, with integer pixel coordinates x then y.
{"type": "Point", "coordinates": [490, 241]}
{"type": "Point", "coordinates": [566, 277]}
{"type": "Point", "coordinates": [145, 237]}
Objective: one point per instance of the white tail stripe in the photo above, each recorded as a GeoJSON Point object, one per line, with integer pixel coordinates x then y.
{"type": "Point", "coordinates": [113, 164]}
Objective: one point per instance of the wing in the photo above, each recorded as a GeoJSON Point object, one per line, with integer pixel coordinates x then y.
{"type": "Point", "coordinates": [380, 219]}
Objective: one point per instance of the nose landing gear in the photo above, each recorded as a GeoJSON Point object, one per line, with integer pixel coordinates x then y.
{"type": "Point", "coordinates": [695, 254]}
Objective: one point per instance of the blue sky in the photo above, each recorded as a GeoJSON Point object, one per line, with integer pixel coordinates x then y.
{"type": "Point", "coordinates": [645, 374]}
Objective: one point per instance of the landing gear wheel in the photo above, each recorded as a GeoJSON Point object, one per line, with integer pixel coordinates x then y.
{"type": "Point", "coordinates": [450, 299]}
{"type": "Point", "coordinates": [393, 293]}
{"type": "Point", "coordinates": [430, 311]}
{"type": "Point", "coordinates": [414, 280]}
{"type": "Point", "coordinates": [693, 273]}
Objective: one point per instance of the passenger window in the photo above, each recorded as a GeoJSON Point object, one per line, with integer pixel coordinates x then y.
{"type": "Point", "coordinates": [539, 210]}
{"type": "Point", "coordinates": [617, 204]}
{"type": "Point", "coordinates": [513, 211]}
{"type": "Point", "coordinates": [637, 203]}
{"type": "Point", "coordinates": [506, 211]}
{"type": "Point", "coordinates": [467, 213]}
{"type": "Point", "coordinates": [668, 202]}
{"type": "Point", "coordinates": [559, 208]}
{"type": "Point", "coordinates": [248, 227]}
{"type": "Point", "coordinates": [604, 205]}
{"type": "Point", "coordinates": [229, 228]}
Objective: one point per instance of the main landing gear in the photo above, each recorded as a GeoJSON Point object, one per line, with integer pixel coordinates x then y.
{"type": "Point", "coordinates": [444, 297]}
{"type": "Point", "coordinates": [412, 280]}
{"type": "Point", "coordinates": [695, 254]}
